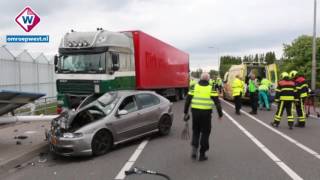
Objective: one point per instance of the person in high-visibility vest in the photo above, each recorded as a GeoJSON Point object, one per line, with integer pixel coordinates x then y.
{"type": "Point", "coordinates": [253, 91]}
{"type": "Point", "coordinates": [263, 96]}
{"type": "Point", "coordinates": [303, 93]}
{"type": "Point", "coordinates": [286, 95]}
{"type": "Point", "coordinates": [237, 92]}
{"type": "Point", "coordinates": [219, 84]}
{"type": "Point", "coordinates": [202, 99]}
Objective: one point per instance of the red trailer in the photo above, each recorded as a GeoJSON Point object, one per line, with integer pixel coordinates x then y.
{"type": "Point", "coordinates": [160, 66]}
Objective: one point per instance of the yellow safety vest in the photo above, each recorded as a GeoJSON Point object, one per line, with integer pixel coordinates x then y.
{"type": "Point", "coordinates": [202, 97]}
{"type": "Point", "coordinates": [237, 87]}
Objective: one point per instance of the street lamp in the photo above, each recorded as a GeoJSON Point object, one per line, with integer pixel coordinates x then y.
{"type": "Point", "coordinates": [314, 49]}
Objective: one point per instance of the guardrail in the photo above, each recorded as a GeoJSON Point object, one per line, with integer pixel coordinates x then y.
{"type": "Point", "coordinates": [44, 106]}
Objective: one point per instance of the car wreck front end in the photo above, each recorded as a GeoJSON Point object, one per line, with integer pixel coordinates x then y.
{"type": "Point", "coordinates": [72, 132]}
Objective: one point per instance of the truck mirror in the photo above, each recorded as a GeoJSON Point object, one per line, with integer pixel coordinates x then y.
{"type": "Point", "coordinates": [115, 62]}
{"type": "Point", "coordinates": [55, 61]}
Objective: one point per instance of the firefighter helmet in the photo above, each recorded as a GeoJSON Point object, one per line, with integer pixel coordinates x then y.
{"type": "Point", "coordinates": [293, 74]}
{"type": "Point", "coordinates": [284, 75]}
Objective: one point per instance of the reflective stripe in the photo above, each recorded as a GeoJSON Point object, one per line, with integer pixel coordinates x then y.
{"type": "Point", "coordinates": [281, 109]}
{"type": "Point", "coordinates": [304, 85]}
{"type": "Point", "coordinates": [287, 98]}
{"type": "Point", "coordinates": [287, 89]}
{"type": "Point", "coordinates": [304, 95]}
{"type": "Point", "coordinates": [202, 104]}
{"type": "Point", "coordinates": [201, 98]}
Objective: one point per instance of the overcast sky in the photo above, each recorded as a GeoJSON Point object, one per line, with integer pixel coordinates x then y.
{"type": "Point", "coordinates": [230, 27]}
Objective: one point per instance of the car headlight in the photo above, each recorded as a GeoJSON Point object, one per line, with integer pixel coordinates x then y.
{"type": "Point", "coordinates": [72, 135]}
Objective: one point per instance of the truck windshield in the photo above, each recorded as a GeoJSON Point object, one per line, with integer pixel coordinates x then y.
{"type": "Point", "coordinates": [83, 63]}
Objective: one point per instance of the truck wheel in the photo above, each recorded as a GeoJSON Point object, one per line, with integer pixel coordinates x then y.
{"type": "Point", "coordinates": [183, 94]}
{"type": "Point", "coordinates": [164, 125]}
{"type": "Point", "coordinates": [176, 96]}
{"type": "Point", "coordinates": [101, 143]}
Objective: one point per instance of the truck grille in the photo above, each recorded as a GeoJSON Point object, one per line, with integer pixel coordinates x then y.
{"type": "Point", "coordinates": [75, 86]}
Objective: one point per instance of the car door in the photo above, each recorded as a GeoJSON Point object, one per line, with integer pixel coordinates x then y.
{"type": "Point", "coordinates": [125, 125]}
{"type": "Point", "coordinates": [149, 108]}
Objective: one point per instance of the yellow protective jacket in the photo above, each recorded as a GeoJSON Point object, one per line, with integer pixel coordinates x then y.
{"type": "Point", "coordinates": [237, 87]}
{"type": "Point", "coordinates": [203, 97]}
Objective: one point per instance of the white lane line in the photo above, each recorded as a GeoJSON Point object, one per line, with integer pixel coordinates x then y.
{"type": "Point", "coordinates": [295, 142]}
{"type": "Point", "coordinates": [311, 115]}
{"type": "Point", "coordinates": [121, 175]}
{"type": "Point", "coordinates": [272, 156]}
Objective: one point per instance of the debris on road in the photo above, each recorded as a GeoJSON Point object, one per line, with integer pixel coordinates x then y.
{"type": "Point", "coordinates": [18, 143]}
{"type": "Point", "coordinates": [21, 137]}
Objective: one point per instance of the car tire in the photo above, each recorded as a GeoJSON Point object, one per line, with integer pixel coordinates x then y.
{"type": "Point", "coordinates": [164, 125]}
{"type": "Point", "coordinates": [101, 143]}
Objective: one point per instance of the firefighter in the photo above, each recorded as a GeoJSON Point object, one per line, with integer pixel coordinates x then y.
{"type": "Point", "coordinates": [253, 90]}
{"type": "Point", "coordinates": [201, 97]}
{"type": "Point", "coordinates": [237, 92]}
{"type": "Point", "coordinates": [286, 95]}
{"type": "Point", "coordinates": [303, 93]}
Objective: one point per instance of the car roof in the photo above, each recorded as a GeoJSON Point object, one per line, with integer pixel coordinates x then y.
{"type": "Point", "coordinates": [131, 92]}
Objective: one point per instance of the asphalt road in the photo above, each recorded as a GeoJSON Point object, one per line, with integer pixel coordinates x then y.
{"type": "Point", "coordinates": [241, 147]}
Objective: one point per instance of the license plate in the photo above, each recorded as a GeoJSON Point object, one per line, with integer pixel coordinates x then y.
{"type": "Point", "coordinates": [53, 140]}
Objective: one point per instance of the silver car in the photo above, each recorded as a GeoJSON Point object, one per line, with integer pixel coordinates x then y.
{"type": "Point", "coordinates": [103, 121]}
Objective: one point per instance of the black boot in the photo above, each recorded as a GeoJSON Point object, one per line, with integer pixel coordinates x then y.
{"type": "Point", "coordinates": [290, 124]}
{"type": "Point", "coordinates": [203, 157]}
{"type": "Point", "coordinates": [274, 124]}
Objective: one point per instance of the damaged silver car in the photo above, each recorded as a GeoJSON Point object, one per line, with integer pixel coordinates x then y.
{"type": "Point", "coordinates": [103, 121]}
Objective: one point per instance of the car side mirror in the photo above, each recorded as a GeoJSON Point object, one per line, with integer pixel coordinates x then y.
{"type": "Point", "coordinates": [55, 61]}
{"type": "Point", "coordinates": [122, 112]}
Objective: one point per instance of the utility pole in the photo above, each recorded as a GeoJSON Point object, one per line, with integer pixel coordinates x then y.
{"type": "Point", "coordinates": [314, 49]}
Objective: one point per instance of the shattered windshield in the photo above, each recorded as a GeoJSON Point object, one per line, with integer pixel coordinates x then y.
{"type": "Point", "coordinates": [83, 63]}
{"type": "Point", "coordinates": [108, 101]}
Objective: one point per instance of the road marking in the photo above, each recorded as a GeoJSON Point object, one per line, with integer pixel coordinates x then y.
{"type": "Point", "coordinates": [121, 175]}
{"type": "Point", "coordinates": [297, 143]}
{"type": "Point", "coordinates": [272, 156]}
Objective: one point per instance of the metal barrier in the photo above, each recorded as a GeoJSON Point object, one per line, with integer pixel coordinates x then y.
{"type": "Point", "coordinates": [41, 105]}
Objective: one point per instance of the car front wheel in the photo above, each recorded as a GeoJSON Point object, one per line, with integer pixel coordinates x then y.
{"type": "Point", "coordinates": [165, 124]}
{"type": "Point", "coordinates": [101, 142]}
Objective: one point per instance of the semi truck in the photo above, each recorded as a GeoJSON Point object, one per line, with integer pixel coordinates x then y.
{"type": "Point", "coordinates": [101, 61]}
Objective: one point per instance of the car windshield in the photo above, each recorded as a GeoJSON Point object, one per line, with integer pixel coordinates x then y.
{"type": "Point", "coordinates": [83, 63]}
{"type": "Point", "coordinates": [108, 101]}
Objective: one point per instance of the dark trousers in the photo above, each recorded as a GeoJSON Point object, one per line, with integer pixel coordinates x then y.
{"type": "Point", "coordinates": [287, 105]}
{"type": "Point", "coordinates": [201, 128]}
{"type": "Point", "coordinates": [254, 101]}
{"type": "Point", "coordinates": [300, 112]}
{"type": "Point", "coordinates": [237, 102]}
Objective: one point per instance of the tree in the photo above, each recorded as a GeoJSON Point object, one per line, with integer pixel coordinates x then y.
{"type": "Point", "coordinates": [270, 57]}
{"type": "Point", "coordinates": [298, 56]}
{"type": "Point", "coordinates": [213, 73]}
{"type": "Point", "coordinates": [197, 73]}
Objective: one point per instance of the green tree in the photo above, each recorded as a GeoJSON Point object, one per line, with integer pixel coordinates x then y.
{"type": "Point", "coordinates": [270, 57]}
{"type": "Point", "coordinates": [298, 56]}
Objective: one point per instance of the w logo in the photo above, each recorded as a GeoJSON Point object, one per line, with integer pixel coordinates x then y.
{"type": "Point", "coordinates": [27, 19]}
